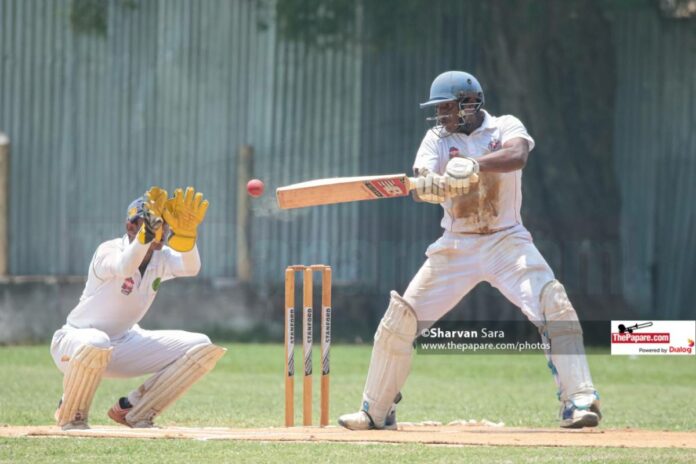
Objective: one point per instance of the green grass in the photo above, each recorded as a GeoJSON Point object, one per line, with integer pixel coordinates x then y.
{"type": "Point", "coordinates": [186, 451]}
{"type": "Point", "coordinates": [246, 390]}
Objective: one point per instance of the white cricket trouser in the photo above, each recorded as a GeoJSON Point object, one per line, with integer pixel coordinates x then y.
{"type": "Point", "coordinates": [136, 353]}
{"type": "Point", "coordinates": [456, 263]}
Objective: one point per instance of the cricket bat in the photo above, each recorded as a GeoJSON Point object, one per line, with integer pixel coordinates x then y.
{"type": "Point", "coordinates": [345, 189]}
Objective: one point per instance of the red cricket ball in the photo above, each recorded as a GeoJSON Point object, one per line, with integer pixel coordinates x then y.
{"type": "Point", "coordinates": [255, 187]}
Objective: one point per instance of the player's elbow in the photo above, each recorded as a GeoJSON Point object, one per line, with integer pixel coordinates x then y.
{"type": "Point", "coordinates": [522, 159]}
{"type": "Point", "coordinates": [192, 269]}
{"type": "Point", "coordinates": [516, 153]}
{"type": "Point", "coordinates": [192, 263]}
{"type": "Point", "coordinates": [196, 269]}
{"type": "Point", "coordinates": [518, 158]}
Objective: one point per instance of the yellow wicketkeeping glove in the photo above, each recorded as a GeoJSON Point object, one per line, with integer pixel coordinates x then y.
{"type": "Point", "coordinates": [153, 207]}
{"type": "Point", "coordinates": [183, 213]}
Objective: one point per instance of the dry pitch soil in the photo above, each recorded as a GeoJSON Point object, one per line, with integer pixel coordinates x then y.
{"type": "Point", "coordinates": [462, 435]}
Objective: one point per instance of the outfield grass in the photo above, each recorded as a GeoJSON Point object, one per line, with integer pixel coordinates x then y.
{"type": "Point", "coordinates": [52, 450]}
{"type": "Point", "coordinates": [246, 389]}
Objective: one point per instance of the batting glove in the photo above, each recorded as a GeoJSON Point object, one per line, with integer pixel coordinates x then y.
{"type": "Point", "coordinates": [459, 174]}
{"type": "Point", "coordinates": [431, 188]}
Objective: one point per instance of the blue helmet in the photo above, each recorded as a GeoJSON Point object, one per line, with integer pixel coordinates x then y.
{"type": "Point", "coordinates": [455, 86]}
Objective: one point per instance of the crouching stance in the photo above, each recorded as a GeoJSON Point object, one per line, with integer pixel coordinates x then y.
{"type": "Point", "coordinates": [483, 240]}
{"type": "Point", "coordinates": [102, 338]}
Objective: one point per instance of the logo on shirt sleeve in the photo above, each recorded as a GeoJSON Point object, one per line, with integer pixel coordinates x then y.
{"type": "Point", "coordinates": [156, 284]}
{"type": "Point", "coordinates": [127, 286]}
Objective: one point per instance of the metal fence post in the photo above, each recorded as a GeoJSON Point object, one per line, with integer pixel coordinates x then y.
{"type": "Point", "coordinates": [4, 194]}
{"type": "Point", "coordinates": [245, 168]}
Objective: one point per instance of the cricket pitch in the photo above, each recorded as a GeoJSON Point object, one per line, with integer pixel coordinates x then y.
{"type": "Point", "coordinates": [430, 435]}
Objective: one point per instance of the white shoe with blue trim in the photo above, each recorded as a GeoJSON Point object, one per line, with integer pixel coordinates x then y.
{"type": "Point", "coordinates": [578, 414]}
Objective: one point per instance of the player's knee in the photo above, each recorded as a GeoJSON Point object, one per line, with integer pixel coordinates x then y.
{"type": "Point", "coordinates": [195, 339]}
{"type": "Point", "coordinates": [97, 339]}
{"type": "Point", "coordinates": [398, 327]}
{"type": "Point", "coordinates": [559, 315]}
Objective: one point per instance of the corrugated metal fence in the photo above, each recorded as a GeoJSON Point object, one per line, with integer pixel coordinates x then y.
{"type": "Point", "coordinates": [655, 147]}
{"type": "Point", "coordinates": [164, 97]}
{"type": "Point", "coordinates": [172, 88]}
{"type": "Point", "coordinates": [167, 96]}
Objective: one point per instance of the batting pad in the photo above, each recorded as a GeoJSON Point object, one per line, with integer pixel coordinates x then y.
{"type": "Point", "coordinates": [80, 382]}
{"type": "Point", "coordinates": [567, 354]}
{"type": "Point", "coordinates": [391, 358]}
{"type": "Point", "coordinates": [165, 387]}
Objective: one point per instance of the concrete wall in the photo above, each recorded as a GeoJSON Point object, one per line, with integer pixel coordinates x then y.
{"type": "Point", "coordinates": [32, 308]}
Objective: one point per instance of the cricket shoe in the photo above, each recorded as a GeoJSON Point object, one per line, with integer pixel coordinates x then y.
{"type": "Point", "coordinates": [120, 410]}
{"type": "Point", "coordinates": [578, 414]}
{"type": "Point", "coordinates": [77, 424]}
{"type": "Point", "coordinates": [361, 420]}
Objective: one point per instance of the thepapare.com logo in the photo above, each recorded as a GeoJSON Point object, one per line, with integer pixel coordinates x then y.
{"type": "Point", "coordinates": [653, 337]}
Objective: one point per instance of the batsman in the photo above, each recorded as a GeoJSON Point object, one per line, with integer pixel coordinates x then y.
{"type": "Point", "coordinates": [483, 240]}
{"type": "Point", "coordinates": [102, 338]}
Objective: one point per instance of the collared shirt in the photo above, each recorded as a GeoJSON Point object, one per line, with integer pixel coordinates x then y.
{"type": "Point", "coordinates": [116, 295]}
{"type": "Point", "coordinates": [494, 203]}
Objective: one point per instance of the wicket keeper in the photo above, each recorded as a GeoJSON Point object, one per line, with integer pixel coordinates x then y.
{"type": "Point", "coordinates": [102, 338]}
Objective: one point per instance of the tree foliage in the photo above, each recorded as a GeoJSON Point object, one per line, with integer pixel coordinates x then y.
{"type": "Point", "coordinates": [339, 23]}
{"type": "Point", "coordinates": [89, 16]}
{"type": "Point", "coordinates": [92, 16]}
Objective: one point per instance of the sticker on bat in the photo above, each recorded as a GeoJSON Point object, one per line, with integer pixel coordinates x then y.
{"type": "Point", "coordinates": [385, 188]}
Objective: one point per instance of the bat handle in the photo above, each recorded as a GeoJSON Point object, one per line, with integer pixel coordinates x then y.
{"type": "Point", "coordinates": [411, 181]}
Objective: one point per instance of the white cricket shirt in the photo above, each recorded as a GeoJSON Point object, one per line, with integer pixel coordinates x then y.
{"type": "Point", "coordinates": [116, 295]}
{"type": "Point", "coordinates": [494, 203]}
